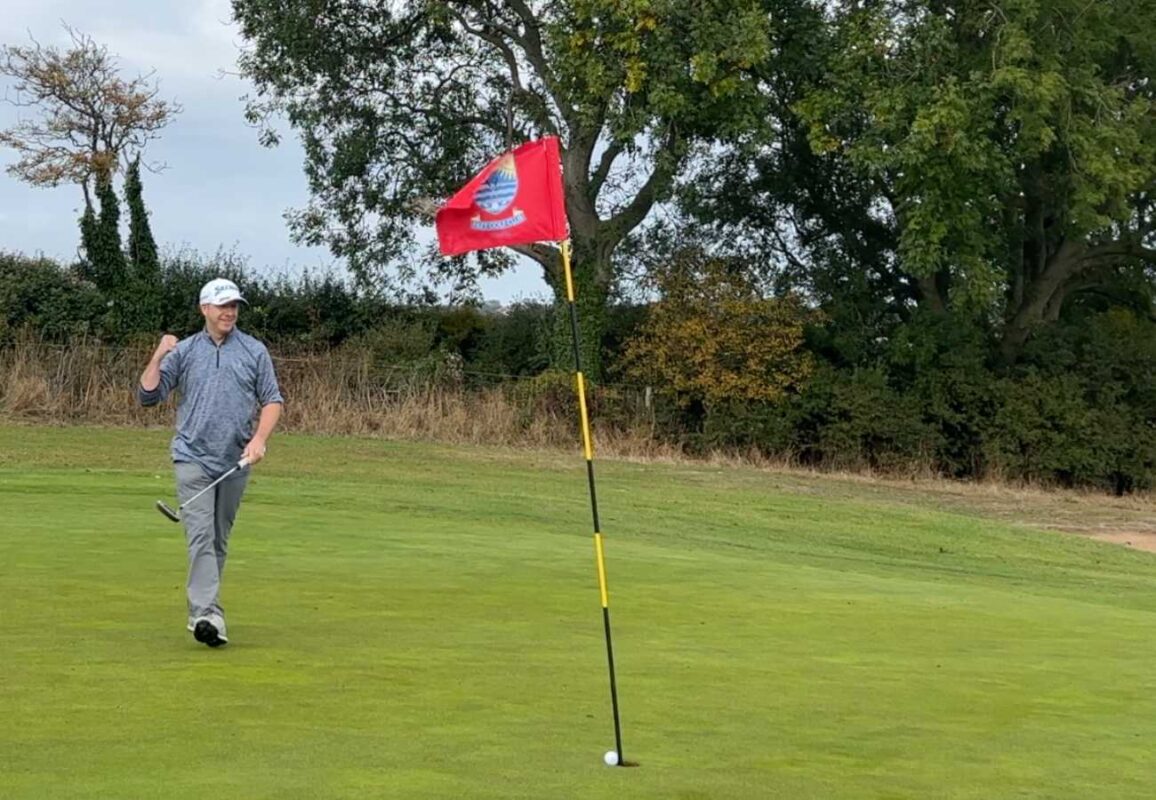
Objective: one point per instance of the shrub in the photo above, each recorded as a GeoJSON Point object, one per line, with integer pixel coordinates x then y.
{"type": "Point", "coordinates": [40, 296]}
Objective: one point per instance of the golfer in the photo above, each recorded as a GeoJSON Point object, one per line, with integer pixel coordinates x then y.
{"type": "Point", "coordinates": [226, 383]}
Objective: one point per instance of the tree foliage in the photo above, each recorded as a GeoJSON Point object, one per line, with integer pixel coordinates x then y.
{"type": "Point", "coordinates": [107, 262]}
{"type": "Point", "coordinates": [142, 248]}
{"type": "Point", "coordinates": [399, 103]}
{"type": "Point", "coordinates": [1012, 146]}
{"type": "Point", "coordinates": [88, 121]}
{"type": "Point", "coordinates": [88, 242]}
{"type": "Point", "coordinates": [991, 159]}
{"type": "Point", "coordinates": [144, 263]}
{"type": "Point", "coordinates": [713, 336]}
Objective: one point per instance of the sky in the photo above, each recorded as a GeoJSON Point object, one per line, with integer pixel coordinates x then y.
{"type": "Point", "coordinates": [220, 188]}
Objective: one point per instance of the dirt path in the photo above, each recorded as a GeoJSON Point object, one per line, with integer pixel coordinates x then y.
{"type": "Point", "coordinates": [1125, 521]}
{"type": "Point", "coordinates": [1136, 537]}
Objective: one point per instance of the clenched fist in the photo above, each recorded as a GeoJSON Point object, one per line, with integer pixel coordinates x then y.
{"type": "Point", "coordinates": [168, 342]}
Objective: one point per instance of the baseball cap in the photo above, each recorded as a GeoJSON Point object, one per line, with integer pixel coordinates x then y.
{"type": "Point", "coordinates": [221, 291]}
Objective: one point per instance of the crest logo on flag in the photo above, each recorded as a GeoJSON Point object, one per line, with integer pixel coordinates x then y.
{"type": "Point", "coordinates": [495, 196]}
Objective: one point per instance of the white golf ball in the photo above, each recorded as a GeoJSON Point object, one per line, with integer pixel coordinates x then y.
{"type": "Point", "coordinates": [611, 758]}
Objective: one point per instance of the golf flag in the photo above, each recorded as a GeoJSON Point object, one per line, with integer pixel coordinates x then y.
{"type": "Point", "coordinates": [516, 199]}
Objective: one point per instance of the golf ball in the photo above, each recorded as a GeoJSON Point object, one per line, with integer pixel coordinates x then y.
{"type": "Point", "coordinates": [611, 758]}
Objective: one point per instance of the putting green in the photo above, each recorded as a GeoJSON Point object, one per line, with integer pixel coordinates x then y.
{"type": "Point", "coordinates": [416, 621]}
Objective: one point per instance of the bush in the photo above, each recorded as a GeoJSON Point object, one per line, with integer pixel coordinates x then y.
{"type": "Point", "coordinates": [1083, 405]}
{"type": "Point", "coordinates": [1078, 409]}
{"type": "Point", "coordinates": [397, 341]}
{"type": "Point", "coordinates": [514, 342]}
{"type": "Point", "coordinates": [1044, 431]}
{"type": "Point", "coordinates": [941, 366]}
{"type": "Point", "coordinates": [40, 296]}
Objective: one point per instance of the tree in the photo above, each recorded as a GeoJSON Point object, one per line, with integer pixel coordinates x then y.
{"type": "Point", "coordinates": [1011, 146]}
{"type": "Point", "coordinates": [109, 268]}
{"type": "Point", "coordinates": [144, 264]}
{"type": "Point", "coordinates": [995, 160]}
{"type": "Point", "coordinates": [88, 242]}
{"type": "Point", "coordinates": [400, 102]}
{"type": "Point", "coordinates": [714, 336]}
{"type": "Point", "coordinates": [807, 220]}
{"type": "Point", "coordinates": [89, 118]}
{"type": "Point", "coordinates": [142, 248]}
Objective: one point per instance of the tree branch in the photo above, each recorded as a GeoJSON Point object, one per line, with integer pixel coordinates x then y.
{"type": "Point", "coordinates": [659, 182]}
{"type": "Point", "coordinates": [604, 164]}
{"type": "Point", "coordinates": [546, 256]}
{"type": "Point", "coordinates": [786, 251]}
{"type": "Point", "coordinates": [531, 44]}
{"type": "Point", "coordinates": [1119, 249]}
{"type": "Point", "coordinates": [497, 42]}
{"type": "Point", "coordinates": [507, 53]}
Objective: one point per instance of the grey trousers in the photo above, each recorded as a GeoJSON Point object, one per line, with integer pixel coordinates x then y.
{"type": "Point", "coordinates": [208, 523]}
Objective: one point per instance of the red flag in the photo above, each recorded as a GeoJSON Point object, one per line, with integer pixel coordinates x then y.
{"type": "Point", "coordinates": [516, 199]}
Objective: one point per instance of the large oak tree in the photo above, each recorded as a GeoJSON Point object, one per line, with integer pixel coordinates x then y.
{"type": "Point", "coordinates": [398, 103]}
{"type": "Point", "coordinates": [989, 158]}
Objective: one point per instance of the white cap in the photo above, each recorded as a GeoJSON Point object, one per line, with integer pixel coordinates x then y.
{"type": "Point", "coordinates": [219, 292]}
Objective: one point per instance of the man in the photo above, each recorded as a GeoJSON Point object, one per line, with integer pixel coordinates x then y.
{"type": "Point", "coordinates": [223, 377]}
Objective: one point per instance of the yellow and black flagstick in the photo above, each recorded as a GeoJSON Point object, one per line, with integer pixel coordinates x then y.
{"type": "Point", "coordinates": [588, 447]}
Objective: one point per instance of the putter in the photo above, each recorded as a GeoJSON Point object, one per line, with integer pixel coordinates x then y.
{"type": "Point", "coordinates": [175, 516]}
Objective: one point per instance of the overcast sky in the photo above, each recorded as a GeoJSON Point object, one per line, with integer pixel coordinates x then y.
{"type": "Point", "coordinates": [221, 189]}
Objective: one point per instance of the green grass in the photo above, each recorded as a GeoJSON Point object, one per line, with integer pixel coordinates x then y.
{"type": "Point", "coordinates": [411, 621]}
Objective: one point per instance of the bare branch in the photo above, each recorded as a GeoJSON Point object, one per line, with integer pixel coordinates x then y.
{"type": "Point", "coordinates": [531, 43]}
{"type": "Point", "coordinates": [90, 119]}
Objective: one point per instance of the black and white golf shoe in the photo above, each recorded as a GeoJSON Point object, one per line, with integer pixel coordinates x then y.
{"type": "Point", "coordinates": [210, 631]}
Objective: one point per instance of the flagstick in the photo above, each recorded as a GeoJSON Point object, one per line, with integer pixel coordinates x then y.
{"type": "Point", "coordinates": [589, 450]}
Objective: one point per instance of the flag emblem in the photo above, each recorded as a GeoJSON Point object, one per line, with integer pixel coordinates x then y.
{"type": "Point", "coordinates": [500, 188]}
{"type": "Point", "coordinates": [495, 196]}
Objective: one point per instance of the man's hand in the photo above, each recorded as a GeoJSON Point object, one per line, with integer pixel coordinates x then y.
{"type": "Point", "coordinates": [151, 377]}
{"type": "Point", "coordinates": [168, 342]}
{"type": "Point", "coordinates": [254, 450]}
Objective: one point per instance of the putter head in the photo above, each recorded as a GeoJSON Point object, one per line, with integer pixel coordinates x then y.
{"type": "Point", "coordinates": [168, 512]}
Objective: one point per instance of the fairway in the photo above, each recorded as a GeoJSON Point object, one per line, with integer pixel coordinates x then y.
{"type": "Point", "coordinates": [419, 621]}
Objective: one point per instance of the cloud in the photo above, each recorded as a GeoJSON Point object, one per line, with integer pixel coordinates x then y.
{"type": "Point", "coordinates": [192, 47]}
{"type": "Point", "coordinates": [188, 44]}
{"type": "Point", "coordinates": [22, 17]}
{"type": "Point", "coordinates": [222, 187]}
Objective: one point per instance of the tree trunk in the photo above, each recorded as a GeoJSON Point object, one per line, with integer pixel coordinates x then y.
{"type": "Point", "coordinates": [1041, 294]}
{"type": "Point", "coordinates": [590, 298]}
{"type": "Point", "coordinates": [933, 292]}
{"type": "Point", "coordinates": [590, 265]}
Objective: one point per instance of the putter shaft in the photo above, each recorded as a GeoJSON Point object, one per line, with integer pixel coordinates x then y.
{"type": "Point", "coordinates": [212, 485]}
{"type": "Point", "coordinates": [175, 516]}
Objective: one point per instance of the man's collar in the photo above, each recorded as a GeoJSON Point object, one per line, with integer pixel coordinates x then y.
{"type": "Point", "coordinates": [212, 341]}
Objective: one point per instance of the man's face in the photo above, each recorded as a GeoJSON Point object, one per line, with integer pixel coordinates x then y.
{"type": "Point", "coordinates": [220, 320]}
